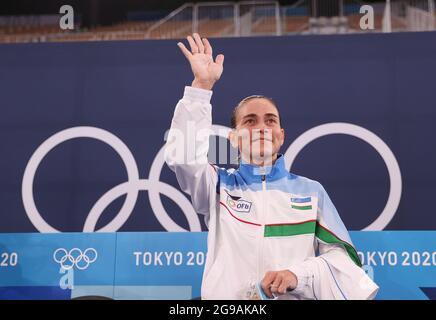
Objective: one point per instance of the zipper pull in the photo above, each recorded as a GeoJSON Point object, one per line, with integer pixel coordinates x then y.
{"type": "Point", "coordinates": [263, 177]}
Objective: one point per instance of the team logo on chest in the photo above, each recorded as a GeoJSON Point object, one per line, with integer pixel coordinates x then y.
{"type": "Point", "coordinates": [238, 204]}
{"type": "Point", "coordinates": [300, 203]}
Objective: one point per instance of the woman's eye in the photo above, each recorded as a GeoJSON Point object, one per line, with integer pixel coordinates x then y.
{"type": "Point", "coordinates": [249, 121]}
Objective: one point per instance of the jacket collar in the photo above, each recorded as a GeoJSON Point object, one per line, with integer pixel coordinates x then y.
{"type": "Point", "coordinates": [254, 172]}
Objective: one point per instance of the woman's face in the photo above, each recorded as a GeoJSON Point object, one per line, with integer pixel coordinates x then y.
{"type": "Point", "coordinates": [258, 132]}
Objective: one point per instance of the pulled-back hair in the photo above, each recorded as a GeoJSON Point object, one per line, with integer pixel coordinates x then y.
{"type": "Point", "coordinates": [246, 99]}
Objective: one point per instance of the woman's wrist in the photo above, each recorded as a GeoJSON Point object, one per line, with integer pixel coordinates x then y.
{"type": "Point", "coordinates": [206, 85]}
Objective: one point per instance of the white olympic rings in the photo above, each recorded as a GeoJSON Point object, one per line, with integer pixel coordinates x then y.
{"type": "Point", "coordinates": [155, 187]}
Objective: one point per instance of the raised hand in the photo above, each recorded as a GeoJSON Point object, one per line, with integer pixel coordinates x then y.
{"type": "Point", "coordinates": [206, 71]}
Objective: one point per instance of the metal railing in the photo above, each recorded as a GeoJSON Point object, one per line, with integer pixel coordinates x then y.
{"type": "Point", "coordinates": [233, 19]}
{"type": "Point", "coordinates": [29, 20]}
{"type": "Point", "coordinates": [220, 19]}
{"type": "Point", "coordinates": [344, 16]}
{"type": "Point", "coordinates": [415, 15]}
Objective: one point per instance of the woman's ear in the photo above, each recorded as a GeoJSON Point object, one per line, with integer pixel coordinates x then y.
{"type": "Point", "coordinates": [233, 137]}
{"type": "Point", "coordinates": [282, 138]}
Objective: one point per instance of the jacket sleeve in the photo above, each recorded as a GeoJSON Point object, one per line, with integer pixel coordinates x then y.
{"type": "Point", "coordinates": [336, 272]}
{"type": "Point", "coordinates": [187, 147]}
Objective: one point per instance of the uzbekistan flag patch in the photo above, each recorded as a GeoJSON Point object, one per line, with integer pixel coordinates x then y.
{"type": "Point", "coordinates": [301, 203]}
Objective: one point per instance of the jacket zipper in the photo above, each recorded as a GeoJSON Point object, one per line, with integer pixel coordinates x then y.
{"type": "Point", "coordinates": [263, 221]}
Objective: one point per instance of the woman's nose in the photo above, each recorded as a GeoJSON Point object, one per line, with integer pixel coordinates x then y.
{"type": "Point", "coordinates": [261, 132]}
{"type": "Point", "coordinates": [261, 128]}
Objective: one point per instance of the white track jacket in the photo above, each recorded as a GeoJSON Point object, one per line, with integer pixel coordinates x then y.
{"type": "Point", "coordinates": [261, 219]}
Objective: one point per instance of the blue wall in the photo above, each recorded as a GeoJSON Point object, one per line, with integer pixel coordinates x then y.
{"type": "Point", "coordinates": [384, 83]}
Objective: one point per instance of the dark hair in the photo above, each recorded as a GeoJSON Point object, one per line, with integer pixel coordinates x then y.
{"type": "Point", "coordinates": [235, 110]}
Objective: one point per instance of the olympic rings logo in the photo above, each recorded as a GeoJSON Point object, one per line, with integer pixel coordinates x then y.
{"type": "Point", "coordinates": [155, 187]}
{"type": "Point", "coordinates": [75, 258]}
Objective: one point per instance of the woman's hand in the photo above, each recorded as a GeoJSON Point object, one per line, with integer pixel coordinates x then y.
{"type": "Point", "coordinates": [278, 282]}
{"type": "Point", "coordinates": [206, 71]}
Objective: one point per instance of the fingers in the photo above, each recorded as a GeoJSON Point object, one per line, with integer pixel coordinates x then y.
{"type": "Point", "coordinates": [199, 43]}
{"type": "Point", "coordinates": [219, 59]}
{"type": "Point", "coordinates": [276, 283]}
{"type": "Point", "coordinates": [290, 281]}
{"type": "Point", "coordinates": [283, 287]}
{"type": "Point", "coordinates": [194, 48]}
{"type": "Point", "coordinates": [185, 51]}
{"type": "Point", "coordinates": [207, 47]}
{"type": "Point", "coordinates": [268, 279]}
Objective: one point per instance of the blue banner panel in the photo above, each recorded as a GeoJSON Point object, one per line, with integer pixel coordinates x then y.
{"type": "Point", "coordinates": [169, 265]}
{"type": "Point", "coordinates": [32, 259]}
{"type": "Point", "coordinates": [153, 259]}
{"type": "Point", "coordinates": [402, 263]}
